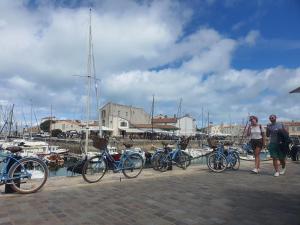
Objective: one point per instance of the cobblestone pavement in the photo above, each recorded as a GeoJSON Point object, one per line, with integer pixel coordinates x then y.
{"type": "Point", "coordinates": [194, 196]}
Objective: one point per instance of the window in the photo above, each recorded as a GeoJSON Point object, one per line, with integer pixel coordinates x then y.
{"type": "Point", "coordinates": [103, 113]}
{"type": "Point", "coordinates": [298, 128]}
{"type": "Point", "coordinates": [103, 122]}
{"type": "Point", "coordinates": [123, 124]}
{"type": "Point", "coordinates": [126, 113]}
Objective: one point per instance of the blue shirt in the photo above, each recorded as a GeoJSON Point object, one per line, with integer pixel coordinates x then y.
{"type": "Point", "coordinates": [273, 129]}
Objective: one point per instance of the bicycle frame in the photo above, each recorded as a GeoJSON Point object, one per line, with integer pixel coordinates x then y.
{"type": "Point", "coordinates": [221, 151]}
{"type": "Point", "coordinates": [118, 165]}
{"type": "Point", "coordinates": [171, 154]}
{"type": "Point", "coordinates": [4, 176]}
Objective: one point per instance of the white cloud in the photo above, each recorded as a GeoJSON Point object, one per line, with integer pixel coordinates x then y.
{"type": "Point", "coordinates": [41, 49]}
{"type": "Point", "coordinates": [252, 37]}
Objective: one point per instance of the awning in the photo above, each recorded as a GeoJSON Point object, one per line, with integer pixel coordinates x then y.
{"type": "Point", "coordinates": [132, 130]}
{"type": "Point", "coordinates": [96, 128]}
{"type": "Point", "coordinates": [156, 130]}
{"type": "Point", "coordinates": [106, 128]}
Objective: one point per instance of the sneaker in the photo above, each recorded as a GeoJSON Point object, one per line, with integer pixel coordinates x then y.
{"type": "Point", "coordinates": [255, 170]}
{"type": "Point", "coordinates": [282, 171]}
{"type": "Point", "coordinates": [276, 174]}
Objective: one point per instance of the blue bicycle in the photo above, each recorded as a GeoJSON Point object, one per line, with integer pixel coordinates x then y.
{"type": "Point", "coordinates": [220, 159]}
{"type": "Point", "coordinates": [165, 157]}
{"type": "Point", "coordinates": [130, 163]}
{"type": "Point", "coordinates": [25, 175]}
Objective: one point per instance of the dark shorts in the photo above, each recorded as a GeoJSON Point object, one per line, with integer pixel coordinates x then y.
{"type": "Point", "coordinates": [276, 152]}
{"type": "Point", "coordinates": [256, 143]}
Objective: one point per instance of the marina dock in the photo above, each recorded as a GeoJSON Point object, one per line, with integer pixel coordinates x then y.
{"type": "Point", "coordinates": [181, 197]}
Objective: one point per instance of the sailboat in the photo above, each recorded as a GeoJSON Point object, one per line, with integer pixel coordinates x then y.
{"type": "Point", "coordinates": [91, 75]}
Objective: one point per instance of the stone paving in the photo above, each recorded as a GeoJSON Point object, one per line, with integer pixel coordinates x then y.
{"type": "Point", "coordinates": [193, 196]}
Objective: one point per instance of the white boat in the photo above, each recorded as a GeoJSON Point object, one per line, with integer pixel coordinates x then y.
{"type": "Point", "coordinates": [135, 150]}
{"type": "Point", "coordinates": [34, 148]}
{"type": "Point", "coordinates": [195, 153]}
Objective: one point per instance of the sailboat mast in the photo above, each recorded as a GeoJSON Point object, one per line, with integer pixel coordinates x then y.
{"type": "Point", "coordinates": [152, 115]}
{"type": "Point", "coordinates": [89, 68]}
{"type": "Point", "coordinates": [31, 119]}
{"type": "Point", "coordinates": [10, 120]}
{"type": "Point", "coordinates": [179, 115]}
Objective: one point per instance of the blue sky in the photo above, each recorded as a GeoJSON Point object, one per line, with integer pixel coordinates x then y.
{"type": "Point", "coordinates": [232, 58]}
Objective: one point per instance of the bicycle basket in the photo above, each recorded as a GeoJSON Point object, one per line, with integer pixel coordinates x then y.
{"type": "Point", "coordinates": [184, 143]}
{"type": "Point", "coordinates": [128, 144]}
{"type": "Point", "coordinates": [99, 143]}
{"type": "Point", "coordinates": [212, 143]}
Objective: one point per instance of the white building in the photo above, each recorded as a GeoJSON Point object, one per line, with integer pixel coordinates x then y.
{"type": "Point", "coordinates": [186, 125]}
{"type": "Point", "coordinates": [119, 117]}
{"type": "Point", "coordinates": [66, 125]}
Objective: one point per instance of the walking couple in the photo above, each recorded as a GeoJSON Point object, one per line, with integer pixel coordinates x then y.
{"type": "Point", "coordinates": [276, 147]}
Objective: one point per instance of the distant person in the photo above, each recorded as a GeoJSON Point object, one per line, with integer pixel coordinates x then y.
{"type": "Point", "coordinates": [277, 154]}
{"type": "Point", "coordinates": [257, 140]}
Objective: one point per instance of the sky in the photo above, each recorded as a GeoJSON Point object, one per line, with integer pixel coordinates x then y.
{"type": "Point", "coordinates": [226, 58]}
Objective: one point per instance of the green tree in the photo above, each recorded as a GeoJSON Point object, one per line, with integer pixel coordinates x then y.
{"type": "Point", "coordinates": [56, 132]}
{"type": "Point", "coordinates": [45, 126]}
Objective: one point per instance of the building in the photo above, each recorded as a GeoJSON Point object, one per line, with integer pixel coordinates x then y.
{"type": "Point", "coordinates": [293, 128]}
{"type": "Point", "coordinates": [164, 120]}
{"type": "Point", "coordinates": [186, 126]}
{"type": "Point", "coordinates": [118, 117]}
{"type": "Point", "coordinates": [235, 130]}
{"type": "Point", "coordinates": [183, 126]}
{"type": "Point", "coordinates": [66, 125]}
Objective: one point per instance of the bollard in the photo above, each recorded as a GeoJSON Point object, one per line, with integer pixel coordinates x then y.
{"type": "Point", "coordinates": [8, 187]}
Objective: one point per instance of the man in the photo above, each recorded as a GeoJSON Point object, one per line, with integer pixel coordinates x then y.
{"type": "Point", "coordinates": [276, 152]}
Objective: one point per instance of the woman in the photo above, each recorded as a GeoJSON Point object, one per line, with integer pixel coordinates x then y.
{"type": "Point", "coordinates": [277, 154]}
{"type": "Point", "coordinates": [256, 133]}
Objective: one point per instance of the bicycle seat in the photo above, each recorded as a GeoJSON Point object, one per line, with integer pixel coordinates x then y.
{"type": "Point", "coordinates": [165, 144]}
{"type": "Point", "coordinates": [127, 145]}
{"type": "Point", "coordinates": [14, 149]}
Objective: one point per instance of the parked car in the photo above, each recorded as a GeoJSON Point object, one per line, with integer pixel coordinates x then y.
{"type": "Point", "coordinates": [295, 148]}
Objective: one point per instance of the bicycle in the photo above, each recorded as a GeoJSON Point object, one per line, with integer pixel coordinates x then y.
{"type": "Point", "coordinates": [25, 175]}
{"type": "Point", "coordinates": [221, 159]}
{"type": "Point", "coordinates": [130, 163]}
{"type": "Point", "coordinates": [165, 157]}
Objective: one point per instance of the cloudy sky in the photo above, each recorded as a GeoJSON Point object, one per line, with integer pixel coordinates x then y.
{"type": "Point", "coordinates": [231, 58]}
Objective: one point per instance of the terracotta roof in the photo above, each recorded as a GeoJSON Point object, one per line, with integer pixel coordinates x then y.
{"type": "Point", "coordinates": [67, 121]}
{"type": "Point", "coordinates": [159, 126]}
{"type": "Point", "coordinates": [291, 123]}
{"type": "Point", "coordinates": [164, 120]}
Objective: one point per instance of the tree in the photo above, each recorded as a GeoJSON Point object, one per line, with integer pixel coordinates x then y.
{"type": "Point", "coordinates": [45, 126]}
{"type": "Point", "coordinates": [56, 132]}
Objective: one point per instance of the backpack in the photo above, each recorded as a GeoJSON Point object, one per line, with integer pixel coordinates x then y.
{"type": "Point", "coordinates": [284, 140]}
{"type": "Point", "coordinates": [283, 137]}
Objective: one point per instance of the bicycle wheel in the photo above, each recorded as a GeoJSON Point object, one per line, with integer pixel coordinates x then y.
{"type": "Point", "coordinates": [28, 175]}
{"type": "Point", "coordinates": [154, 160]}
{"type": "Point", "coordinates": [183, 160]}
{"type": "Point", "coordinates": [217, 162]}
{"type": "Point", "coordinates": [94, 169]}
{"type": "Point", "coordinates": [133, 165]}
{"type": "Point", "coordinates": [164, 162]}
{"type": "Point", "coordinates": [234, 160]}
